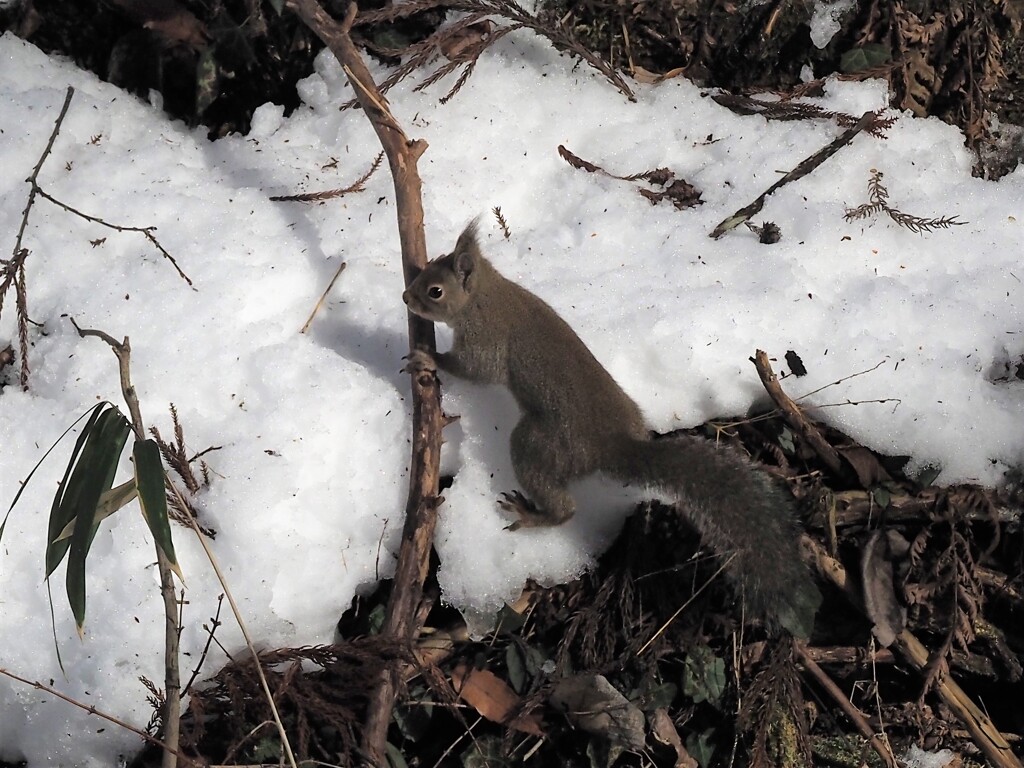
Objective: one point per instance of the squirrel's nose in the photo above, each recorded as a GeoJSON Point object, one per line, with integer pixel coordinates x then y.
{"type": "Point", "coordinates": [405, 296]}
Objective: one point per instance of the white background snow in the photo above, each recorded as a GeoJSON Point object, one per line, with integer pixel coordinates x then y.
{"type": "Point", "coordinates": [310, 479]}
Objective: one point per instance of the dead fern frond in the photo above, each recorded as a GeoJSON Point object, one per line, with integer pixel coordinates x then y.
{"type": "Point", "coordinates": [21, 303]}
{"type": "Point", "coordinates": [155, 699]}
{"type": "Point", "coordinates": [314, 197]}
{"type": "Point", "coordinates": [878, 202]}
{"type": "Point", "coordinates": [464, 40]}
{"type": "Point", "coordinates": [174, 453]}
{"type": "Point", "coordinates": [943, 586]}
{"type": "Point", "coordinates": [679, 192]}
{"type": "Point", "coordinates": [505, 231]}
{"type": "Point", "coordinates": [179, 507]}
{"type": "Point", "coordinates": [773, 712]}
{"type": "Point", "coordinates": [786, 109]}
{"type": "Point", "coordinates": [919, 225]}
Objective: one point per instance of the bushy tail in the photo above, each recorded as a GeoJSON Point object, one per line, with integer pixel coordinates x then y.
{"type": "Point", "coordinates": [736, 508]}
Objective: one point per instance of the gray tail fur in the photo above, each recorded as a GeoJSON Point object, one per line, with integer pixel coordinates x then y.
{"type": "Point", "coordinates": [736, 509]}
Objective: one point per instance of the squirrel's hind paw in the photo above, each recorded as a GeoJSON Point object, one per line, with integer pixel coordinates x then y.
{"type": "Point", "coordinates": [530, 516]}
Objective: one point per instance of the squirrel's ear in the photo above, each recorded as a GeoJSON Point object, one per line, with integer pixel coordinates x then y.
{"type": "Point", "coordinates": [466, 253]}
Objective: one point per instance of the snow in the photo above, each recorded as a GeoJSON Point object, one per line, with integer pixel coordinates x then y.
{"type": "Point", "coordinates": [826, 20]}
{"type": "Point", "coordinates": [310, 478]}
{"type": "Point", "coordinates": [916, 757]}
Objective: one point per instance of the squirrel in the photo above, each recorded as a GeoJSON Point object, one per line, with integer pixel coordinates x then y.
{"type": "Point", "coordinates": [576, 420]}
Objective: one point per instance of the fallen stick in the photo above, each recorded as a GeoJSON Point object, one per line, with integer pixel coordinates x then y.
{"type": "Point", "coordinates": [801, 170]}
{"type": "Point", "coordinates": [879, 744]}
{"type": "Point", "coordinates": [794, 416]}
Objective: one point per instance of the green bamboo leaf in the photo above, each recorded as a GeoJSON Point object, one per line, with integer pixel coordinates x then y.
{"type": "Point", "coordinates": [149, 477]}
{"type": "Point", "coordinates": [61, 516]}
{"type": "Point", "coordinates": [24, 484]}
{"type": "Point", "coordinates": [110, 502]}
{"type": "Point", "coordinates": [93, 474]}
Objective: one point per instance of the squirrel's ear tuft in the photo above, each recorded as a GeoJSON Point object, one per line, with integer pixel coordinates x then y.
{"type": "Point", "coordinates": [467, 241]}
{"type": "Point", "coordinates": [467, 251]}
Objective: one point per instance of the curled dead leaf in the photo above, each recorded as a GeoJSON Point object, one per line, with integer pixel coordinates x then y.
{"type": "Point", "coordinates": [664, 731]}
{"type": "Point", "coordinates": [870, 471]}
{"type": "Point", "coordinates": [493, 698]}
{"type": "Point", "coordinates": [882, 551]}
{"type": "Point", "coordinates": [642, 75]}
{"type": "Point", "coordinates": [594, 705]}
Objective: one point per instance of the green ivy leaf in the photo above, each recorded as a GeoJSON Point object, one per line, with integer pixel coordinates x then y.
{"type": "Point", "coordinates": [704, 676]}
{"type": "Point", "coordinates": [863, 57]}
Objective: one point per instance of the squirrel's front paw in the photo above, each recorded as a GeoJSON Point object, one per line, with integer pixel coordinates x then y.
{"type": "Point", "coordinates": [419, 360]}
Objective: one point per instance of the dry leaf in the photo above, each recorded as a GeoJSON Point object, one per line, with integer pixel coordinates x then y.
{"type": "Point", "coordinates": [493, 698]}
{"type": "Point", "coordinates": [169, 19]}
{"type": "Point", "coordinates": [593, 705]}
{"type": "Point", "coordinates": [664, 730]}
{"type": "Point", "coordinates": [880, 604]}
{"type": "Point", "coordinates": [642, 75]}
{"type": "Point", "coordinates": [869, 470]}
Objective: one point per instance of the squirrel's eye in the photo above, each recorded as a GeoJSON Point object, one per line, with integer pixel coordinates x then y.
{"type": "Point", "coordinates": [435, 292]}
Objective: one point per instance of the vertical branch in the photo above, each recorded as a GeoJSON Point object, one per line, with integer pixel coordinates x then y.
{"type": "Point", "coordinates": [13, 270]}
{"type": "Point", "coordinates": [171, 710]}
{"type": "Point", "coordinates": [400, 622]}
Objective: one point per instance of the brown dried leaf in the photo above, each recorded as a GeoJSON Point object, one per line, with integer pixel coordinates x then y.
{"type": "Point", "coordinates": [493, 698]}
{"type": "Point", "coordinates": [642, 75]}
{"type": "Point", "coordinates": [594, 705]}
{"type": "Point", "coordinates": [880, 604]}
{"type": "Point", "coordinates": [921, 81]}
{"type": "Point", "coordinates": [870, 471]}
{"type": "Point", "coordinates": [664, 730]}
{"type": "Point", "coordinates": [680, 193]}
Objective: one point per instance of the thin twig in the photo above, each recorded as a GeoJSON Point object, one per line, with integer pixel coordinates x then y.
{"type": "Point", "coordinates": [206, 648]}
{"type": "Point", "coordinates": [14, 269]}
{"type": "Point", "coordinates": [146, 231]}
{"type": "Point", "coordinates": [855, 715]}
{"type": "Point", "coordinates": [682, 607]}
{"type": "Point", "coordinates": [99, 713]}
{"type": "Point", "coordinates": [285, 743]}
{"type": "Point", "coordinates": [323, 296]}
{"type": "Point", "coordinates": [33, 185]}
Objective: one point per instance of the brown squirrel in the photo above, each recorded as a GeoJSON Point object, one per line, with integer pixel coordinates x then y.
{"type": "Point", "coordinates": [576, 421]}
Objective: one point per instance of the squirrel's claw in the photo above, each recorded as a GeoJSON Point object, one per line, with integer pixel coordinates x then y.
{"type": "Point", "coordinates": [418, 361]}
{"type": "Point", "coordinates": [516, 503]}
